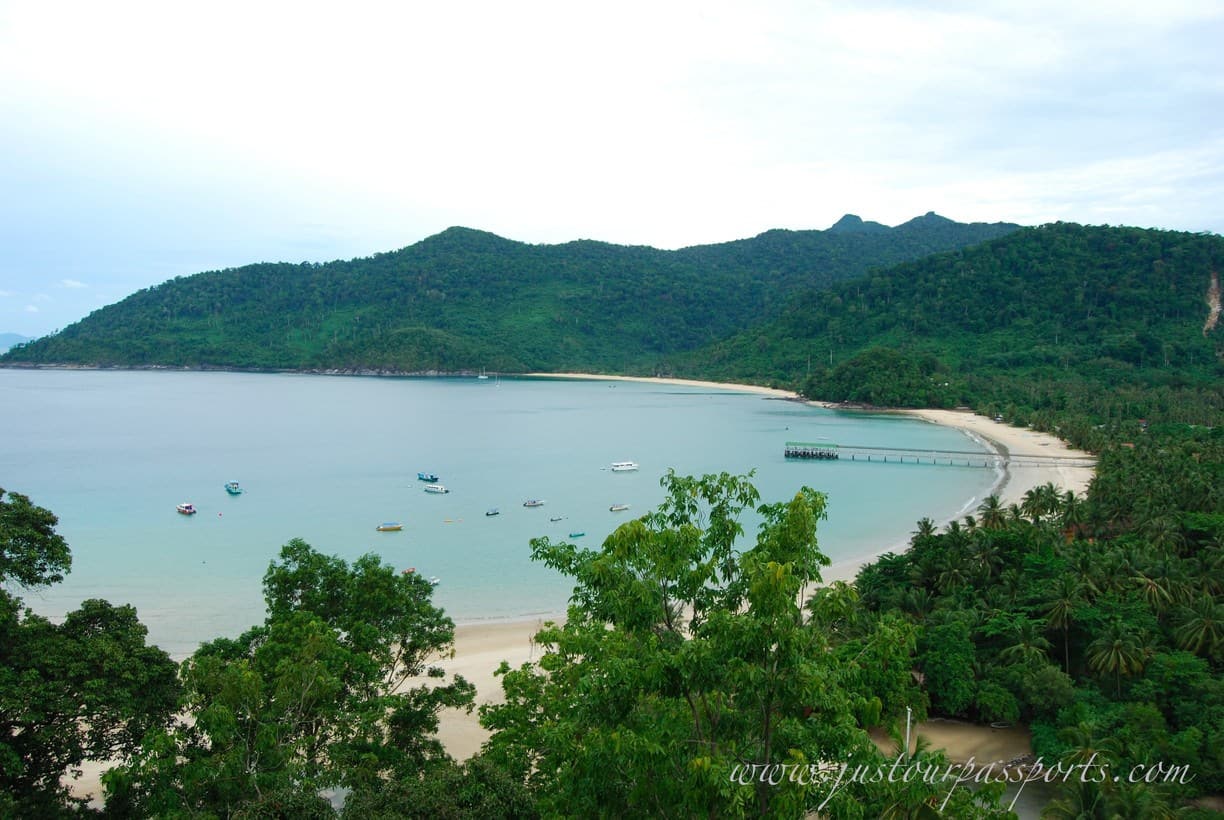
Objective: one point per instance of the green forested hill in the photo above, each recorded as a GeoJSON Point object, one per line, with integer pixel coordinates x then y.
{"type": "Point", "coordinates": [466, 299]}
{"type": "Point", "coordinates": [1062, 310]}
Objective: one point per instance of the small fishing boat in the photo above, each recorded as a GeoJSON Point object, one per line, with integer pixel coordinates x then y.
{"type": "Point", "coordinates": [618, 507]}
{"type": "Point", "coordinates": [233, 488]}
{"type": "Point", "coordinates": [555, 518]}
{"type": "Point", "coordinates": [576, 534]}
{"type": "Point", "coordinates": [624, 466]}
{"type": "Point", "coordinates": [533, 502]}
{"type": "Point", "coordinates": [186, 509]}
{"type": "Point", "coordinates": [493, 511]}
{"type": "Point", "coordinates": [436, 488]}
{"type": "Point", "coordinates": [389, 526]}
{"type": "Point", "coordinates": [431, 477]}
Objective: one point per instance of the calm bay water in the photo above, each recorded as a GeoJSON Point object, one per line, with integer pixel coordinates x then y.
{"type": "Point", "coordinates": [327, 459]}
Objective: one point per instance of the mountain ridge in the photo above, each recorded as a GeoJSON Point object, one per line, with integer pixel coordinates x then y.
{"type": "Point", "coordinates": [466, 299]}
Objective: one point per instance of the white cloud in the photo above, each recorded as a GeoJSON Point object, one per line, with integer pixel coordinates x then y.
{"type": "Point", "coordinates": [150, 140]}
{"type": "Point", "coordinates": [31, 309]}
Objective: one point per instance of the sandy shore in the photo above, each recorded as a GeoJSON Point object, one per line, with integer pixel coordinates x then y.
{"type": "Point", "coordinates": [481, 647]}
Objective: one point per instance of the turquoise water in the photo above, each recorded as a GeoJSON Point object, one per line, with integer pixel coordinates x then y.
{"type": "Point", "coordinates": [327, 459]}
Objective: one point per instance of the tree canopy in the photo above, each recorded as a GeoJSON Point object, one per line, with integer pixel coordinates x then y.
{"type": "Point", "coordinates": [88, 688]}
{"type": "Point", "coordinates": [337, 688]}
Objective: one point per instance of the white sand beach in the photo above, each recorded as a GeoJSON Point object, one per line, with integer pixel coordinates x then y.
{"type": "Point", "coordinates": [479, 648]}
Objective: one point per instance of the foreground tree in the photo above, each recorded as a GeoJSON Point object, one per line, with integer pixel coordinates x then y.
{"type": "Point", "coordinates": [687, 669]}
{"type": "Point", "coordinates": [334, 689]}
{"type": "Point", "coordinates": [84, 689]}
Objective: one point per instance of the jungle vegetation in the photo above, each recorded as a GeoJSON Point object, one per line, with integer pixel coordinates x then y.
{"type": "Point", "coordinates": [467, 300]}
{"type": "Point", "coordinates": [1097, 619]}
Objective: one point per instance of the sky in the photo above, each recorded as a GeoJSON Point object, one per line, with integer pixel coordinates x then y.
{"type": "Point", "coordinates": [140, 141]}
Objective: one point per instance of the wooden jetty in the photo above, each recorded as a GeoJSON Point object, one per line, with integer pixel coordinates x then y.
{"type": "Point", "coordinates": [829, 451]}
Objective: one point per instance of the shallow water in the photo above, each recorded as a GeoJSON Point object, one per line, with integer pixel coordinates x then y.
{"type": "Point", "coordinates": [329, 458]}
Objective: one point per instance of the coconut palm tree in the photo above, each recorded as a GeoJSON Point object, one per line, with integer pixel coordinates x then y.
{"type": "Point", "coordinates": [1065, 595]}
{"type": "Point", "coordinates": [1200, 627]}
{"type": "Point", "coordinates": [1071, 515]}
{"type": "Point", "coordinates": [1118, 652]}
{"type": "Point", "coordinates": [1028, 646]}
{"type": "Point", "coordinates": [993, 513]}
{"type": "Point", "coordinates": [926, 528]}
{"type": "Point", "coordinates": [1078, 800]}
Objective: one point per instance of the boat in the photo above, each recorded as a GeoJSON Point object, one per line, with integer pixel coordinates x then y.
{"type": "Point", "coordinates": [389, 526]}
{"type": "Point", "coordinates": [233, 488]}
{"type": "Point", "coordinates": [576, 534]}
{"type": "Point", "coordinates": [434, 581]}
{"type": "Point", "coordinates": [618, 507]}
{"type": "Point", "coordinates": [533, 502]}
{"type": "Point", "coordinates": [493, 511]}
{"type": "Point", "coordinates": [623, 466]}
{"type": "Point", "coordinates": [431, 477]}
{"type": "Point", "coordinates": [555, 518]}
{"type": "Point", "coordinates": [186, 509]}
{"type": "Point", "coordinates": [435, 488]}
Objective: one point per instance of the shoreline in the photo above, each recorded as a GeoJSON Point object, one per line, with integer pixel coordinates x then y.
{"type": "Point", "coordinates": [481, 646]}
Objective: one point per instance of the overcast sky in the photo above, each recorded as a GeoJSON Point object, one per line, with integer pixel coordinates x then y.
{"type": "Point", "coordinates": [142, 141]}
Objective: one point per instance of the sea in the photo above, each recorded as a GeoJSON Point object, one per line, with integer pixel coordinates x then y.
{"type": "Point", "coordinates": [329, 458]}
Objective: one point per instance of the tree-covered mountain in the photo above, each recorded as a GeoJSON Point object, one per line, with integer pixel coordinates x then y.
{"type": "Point", "coordinates": [1062, 311]}
{"type": "Point", "coordinates": [466, 299]}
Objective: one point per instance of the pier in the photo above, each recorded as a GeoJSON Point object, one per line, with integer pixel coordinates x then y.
{"type": "Point", "coordinates": [829, 451]}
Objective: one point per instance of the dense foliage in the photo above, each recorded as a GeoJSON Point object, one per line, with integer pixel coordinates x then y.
{"type": "Point", "coordinates": [1072, 310]}
{"type": "Point", "coordinates": [1097, 620]}
{"type": "Point", "coordinates": [469, 300]}
{"type": "Point", "coordinates": [84, 689]}
{"type": "Point", "coordinates": [336, 689]}
{"type": "Point", "coordinates": [687, 659]}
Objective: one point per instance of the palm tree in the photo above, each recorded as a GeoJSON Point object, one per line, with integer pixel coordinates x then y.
{"type": "Point", "coordinates": [1200, 627]}
{"type": "Point", "coordinates": [1153, 589]}
{"type": "Point", "coordinates": [1071, 515]}
{"type": "Point", "coordinates": [1065, 595]}
{"type": "Point", "coordinates": [1078, 800]}
{"type": "Point", "coordinates": [926, 528]}
{"type": "Point", "coordinates": [1118, 652]}
{"type": "Point", "coordinates": [994, 516]}
{"type": "Point", "coordinates": [1028, 645]}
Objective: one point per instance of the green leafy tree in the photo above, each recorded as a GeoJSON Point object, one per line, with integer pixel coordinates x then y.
{"type": "Point", "coordinates": [334, 689]}
{"type": "Point", "coordinates": [85, 689]}
{"type": "Point", "coordinates": [946, 653]}
{"type": "Point", "coordinates": [32, 553]}
{"type": "Point", "coordinates": [685, 661]}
